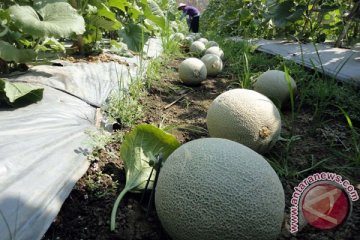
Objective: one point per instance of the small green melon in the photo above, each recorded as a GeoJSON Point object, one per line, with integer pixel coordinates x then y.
{"type": "Point", "coordinates": [274, 85]}
{"type": "Point", "coordinates": [188, 41]}
{"type": "Point", "coordinates": [211, 44]}
{"type": "Point", "coordinates": [177, 37]}
{"type": "Point", "coordinates": [192, 71]}
{"type": "Point", "coordinates": [213, 63]}
{"type": "Point", "coordinates": [195, 36]}
{"type": "Point", "coordinates": [217, 189]}
{"type": "Point", "coordinates": [245, 116]}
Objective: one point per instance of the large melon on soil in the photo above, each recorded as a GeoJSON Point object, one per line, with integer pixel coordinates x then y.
{"type": "Point", "coordinates": [192, 71]}
{"type": "Point", "coordinates": [274, 85]}
{"type": "Point", "coordinates": [245, 116]}
{"type": "Point", "coordinates": [215, 188]}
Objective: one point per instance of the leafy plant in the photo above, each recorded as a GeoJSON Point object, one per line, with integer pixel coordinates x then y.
{"type": "Point", "coordinates": [303, 19]}
{"type": "Point", "coordinates": [18, 94]}
{"type": "Point", "coordinates": [99, 186]}
{"type": "Point", "coordinates": [12, 54]}
{"type": "Point", "coordinates": [123, 105]}
{"type": "Point", "coordinates": [134, 36]}
{"type": "Point", "coordinates": [139, 148]}
{"type": "Point", "coordinates": [26, 29]}
{"type": "Point", "coordinates": [56, 19]}
{"type": "Point", "coordinates": [246, 80]}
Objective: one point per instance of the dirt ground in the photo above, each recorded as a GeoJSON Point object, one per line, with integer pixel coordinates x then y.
{"type": "Point", "coordinates": [86, 212]}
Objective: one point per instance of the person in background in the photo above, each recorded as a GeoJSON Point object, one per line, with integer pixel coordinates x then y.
{"type": "Point", "coordinates": [194, 16]}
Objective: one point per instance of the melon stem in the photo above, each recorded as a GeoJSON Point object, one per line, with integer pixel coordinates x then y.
{"type": "Point", "coordinates": [115, 207]}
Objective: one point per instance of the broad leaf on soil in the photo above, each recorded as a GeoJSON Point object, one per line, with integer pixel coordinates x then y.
{"type": "Point", "coordinates": [140, 146]}
{"type": "Point", "coordinates": [59, 19]}
{"type": "Point", "coordinates": [10, 53]}
{"type": "Point", "coordinates": [19, 94]}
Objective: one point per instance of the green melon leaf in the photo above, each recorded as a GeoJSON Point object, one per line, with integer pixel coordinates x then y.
{"type": "Point", "coordinates": [154, 7]}
{"type": "Point", "coordinates": [59, 19]}
{"type": "Point", "coordinates": [53, 44]}
{"type": "Point", "coordinates": [280, 12]}
{"type": "Point", "coordinates": [18, 94]}
{"type": "Point", "coordinates": [119, 4]}
{"type": "Point", "coordinates": [153, 12]}
{"type": "Point", "coordinates": [101, 22]}
{"type": "Point", "coordinates": [134, 12]}
{"type": "Point", "coordinates": [134, 36]}
{"type": "Point", "coordinates": [104, 11]}
{"type": "Point", "coordinates": [298, 14]}
{"type": "Point", "coordinates": [10, 53]}
{"type": "Point", "coordinates": [139, 147]}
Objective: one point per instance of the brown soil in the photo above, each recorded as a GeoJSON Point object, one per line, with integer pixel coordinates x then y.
{"type": "Point", "coordinates": [86, 213]}
{"type": "Point", "coordinates": [103, 57]}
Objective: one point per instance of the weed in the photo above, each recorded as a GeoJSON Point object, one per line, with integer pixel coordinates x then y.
{"type": "Point", "coordinates": [292, 98]}
{"type": "Point", "coordinates": [153, 72]}
{"type": "Point", "coordinates": [354, 137]}
{"type": "Point", "coordinates": [314, 165]}
{"type": "Point", "coordinates": [237, 63]}
{"type": "Point", "coordinates": [280, 161]}
{"type": "Point", "coordinates": [100, 140]}
{"type": "Point", "coordinates": [246, 80]}
{"type": "Point", "coordinates": [101, 185]}
{"type": "Point", "coordinates": [123, 105]}
{"type": "Point", "coordinates": [170, 47]}
{"type": "Point", "coordinates": [171, 128]}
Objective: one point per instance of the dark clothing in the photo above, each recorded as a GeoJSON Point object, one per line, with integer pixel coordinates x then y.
{"type": "Point", "coordinates": [194, 24]}
{"type": "Point", "coordinates": [194, 17]}
{"type": "Point", "coordinates": [191, 11]}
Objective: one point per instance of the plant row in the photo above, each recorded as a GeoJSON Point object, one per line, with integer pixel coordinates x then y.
{"type": "Point", "coordinates": [316, 20]}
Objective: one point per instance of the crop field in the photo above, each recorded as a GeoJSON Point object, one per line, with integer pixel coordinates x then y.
{"type": "Point", "coordinates": [208, 139]}
{"type": "Point", "coordinates": [314, 144]}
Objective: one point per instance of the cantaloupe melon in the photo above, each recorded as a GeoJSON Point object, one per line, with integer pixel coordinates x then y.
{"type": "Point", "coordinates": [177, 37]}
{"type": "Point", "coordinates": [192, 71]}
{"type": "Point", "coordinates": [274, 85]}
{"type": "Point", "coordinates": [197, 48]}
{"type": "Point", "coordinates": [188, 41]}
{"type": "Point", "coordinates": [245, 116]}
{"type": "Point", "coordinates": [203, 40]}
{"type": "Point", "coordinates": [215, 50]}
{"type": "Point", "coordinates": [215, 188]}
{"type": "Point", "coordinates": [211, 44]}
{"type": "Point", "coordinates": [195, 36]}
{"type": "Point", "coordinates": [213, 63]}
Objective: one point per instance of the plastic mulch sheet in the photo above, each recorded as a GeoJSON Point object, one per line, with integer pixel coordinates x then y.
{"type": "Point", "coordinates": [340, 63]}
{"type": "Point", "coordinates": [43, 146]}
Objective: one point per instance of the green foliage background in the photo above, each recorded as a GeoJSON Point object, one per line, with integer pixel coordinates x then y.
{"type": "Point", "coordinates": [302, 19]}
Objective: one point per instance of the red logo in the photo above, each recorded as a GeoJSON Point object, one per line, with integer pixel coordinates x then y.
{"type": "Point", "coordinates": [325, 205]}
